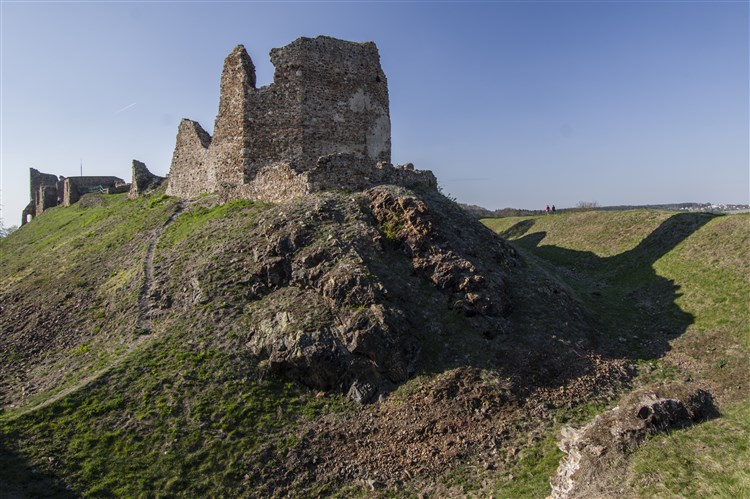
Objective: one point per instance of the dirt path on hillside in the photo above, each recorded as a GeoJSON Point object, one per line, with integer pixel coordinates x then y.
{"type": "Point", "coordinates": [143, 323]}
{"type": "Point", "coordinates": [144, 298]}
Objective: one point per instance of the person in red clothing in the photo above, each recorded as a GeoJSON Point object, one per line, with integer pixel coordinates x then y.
{"type": "Point", "coordinates": [547, 209]}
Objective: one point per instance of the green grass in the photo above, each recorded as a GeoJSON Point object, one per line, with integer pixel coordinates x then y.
{"type": "Point", "coordinates": [642, 272]}
{"type": "Point", "coordinates": [530, 475]}
{"type": "Point", "coordinates": [195, 218]}
{"type": "Point", "coordinates": [179, 417]}
{"type": "Point", "coordinates": [186, 412]}
{"type": "Point", "coordinates": [708, 460]}
{"type": "Point", "coordinates": [74, 275]}
{"type": "Point", "coordinates": [680, 283]}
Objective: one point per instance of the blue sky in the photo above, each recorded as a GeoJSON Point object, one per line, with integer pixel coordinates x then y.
{"type": "Point", "coordinates": [510, 103]}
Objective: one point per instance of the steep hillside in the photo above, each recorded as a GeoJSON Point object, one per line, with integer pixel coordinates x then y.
{"type": "Point", "coordinates": [70, 287]}
{"type": "Point", "coordinates": [673, 290]}
{"type": "Point", "coordinates": [153, 346]}
{"type": "Point", "coordinates": [380, 342]}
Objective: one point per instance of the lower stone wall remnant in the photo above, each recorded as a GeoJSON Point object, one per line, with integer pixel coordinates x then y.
{"type": "Point", "coordinates": [143, 180]}
{"type": "Point", "coordinates": [190, 174]}
{"type": "Point", "coordinates": [75, 187]}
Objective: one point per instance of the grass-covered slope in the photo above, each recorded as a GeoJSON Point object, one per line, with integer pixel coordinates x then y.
{"type": "Point", "coordinates": [95, 404]}
{"type": "Point", "coordinates": [674, 290]}
{"type": "Point", "coordinates": [157, 347]}
{"type": "Point", "coordinates": [69, 289]}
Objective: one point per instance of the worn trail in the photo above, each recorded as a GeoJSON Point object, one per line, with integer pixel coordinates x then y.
{"type": "Point", "coordinates": [144, 298]}
{"type": "Point", "coordinates": [143, 323]}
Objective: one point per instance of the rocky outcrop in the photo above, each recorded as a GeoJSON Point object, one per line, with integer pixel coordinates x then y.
{"type": "Point", "coordinates": [143, 180]}
{"type": "Point", "coordinates": [593, 449]}
{"type": "Point", "coordinates": [407, 221]}
{"type": "Point", "coordinates": [319, 286]}
{"type": "Point", "coordinates": [324, 319]}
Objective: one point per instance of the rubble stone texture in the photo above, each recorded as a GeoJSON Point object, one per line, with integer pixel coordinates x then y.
{"type": "Point", "coordinates": [322, 124]}
{"type": "Point", "coordinates": [603, 443]}
{"type": "Point", "coordinates": [143, 180]}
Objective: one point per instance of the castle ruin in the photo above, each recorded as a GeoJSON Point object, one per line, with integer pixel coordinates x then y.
{"type": "Point", "coordinates": [322, 124]}
{"type": "Point", "coordinates": [48, 190]}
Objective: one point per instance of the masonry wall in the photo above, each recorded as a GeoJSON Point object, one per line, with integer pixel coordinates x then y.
{"type": "Point", "coordinates": [37, 179]}
{"type": "Point", "coordinates": [38, 198]}
{"type": "Point", "coordinates": [347, 171]}
{"type": "Point", "coordinates": [75, 187]}
{"type": "Point", "coordinates": [328, 97]}
{"type": "Point", "coordinates": [230, 149]}
{"type": "Point", "coordinates": [142, 180]}
{"type": "Point", "coordinates": [191, 174]}
{"type": "Point", "coordinates": [345, 99]}
{"type": "Point", "coordinates": [46, 197]}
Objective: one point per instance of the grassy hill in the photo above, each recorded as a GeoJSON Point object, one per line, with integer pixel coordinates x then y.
{"type": "Point", "coordinates": [132, 359]}
{"type": "Point", "coordinates": [674, 290]}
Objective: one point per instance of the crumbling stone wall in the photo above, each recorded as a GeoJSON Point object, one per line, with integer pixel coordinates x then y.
{"type": "Point", "coordinates": [346, 170]}
{"type": "Point", "coordinates": [46, 197]}
{"type": "Point", "coordinates": [329, 96]}
{"type": "Point", "coordinates": [75, 187]}
{"type": "Point", "coordinates": [47, 191]}
{"type": "Point", "coordinates": [191, 174]}
{"type": "Point", "coordinates": [329, 99]}
{"type": "Point", "coordinates": [230, 150]}
{"type": "Point", "coordinates": [40, 198]}
{"type": "Point", "coordinates": [143, 180]}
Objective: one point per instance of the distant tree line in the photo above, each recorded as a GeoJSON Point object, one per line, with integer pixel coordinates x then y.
{"type": "Point", "coordinates": [6, 231]}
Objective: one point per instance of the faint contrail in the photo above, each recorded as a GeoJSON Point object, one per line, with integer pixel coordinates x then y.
{"type": "Point", "coordinates": [125, 108]}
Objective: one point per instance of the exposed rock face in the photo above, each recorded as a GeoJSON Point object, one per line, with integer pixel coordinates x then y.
{"type": "Point", "coordinates": [406, 219]}
{"type": "Point", "coordinates": [143, 180]}
{"type": "Point", "coordinates": [322, 124]}
{"type": "Point", "coordinates": [318, 284]}
{"type": "Point", "coordinates": [609, 437]}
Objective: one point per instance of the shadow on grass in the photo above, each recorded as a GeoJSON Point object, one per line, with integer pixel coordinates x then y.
{"type": "Point", "coordinates": [19, 479]}
{"type": "Point", "coordinates": [630, 303]}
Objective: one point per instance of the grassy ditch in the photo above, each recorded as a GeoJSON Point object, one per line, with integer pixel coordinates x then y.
{"type": "Point", "coordinates": [672, 288]}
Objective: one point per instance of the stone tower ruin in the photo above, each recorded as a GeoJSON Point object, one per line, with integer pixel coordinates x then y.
{"type": "Point", "coordinates": [323, 123]}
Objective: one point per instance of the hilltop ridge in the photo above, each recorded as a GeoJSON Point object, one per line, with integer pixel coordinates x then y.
{"type": "Point", "coordinates": [234, 319]}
